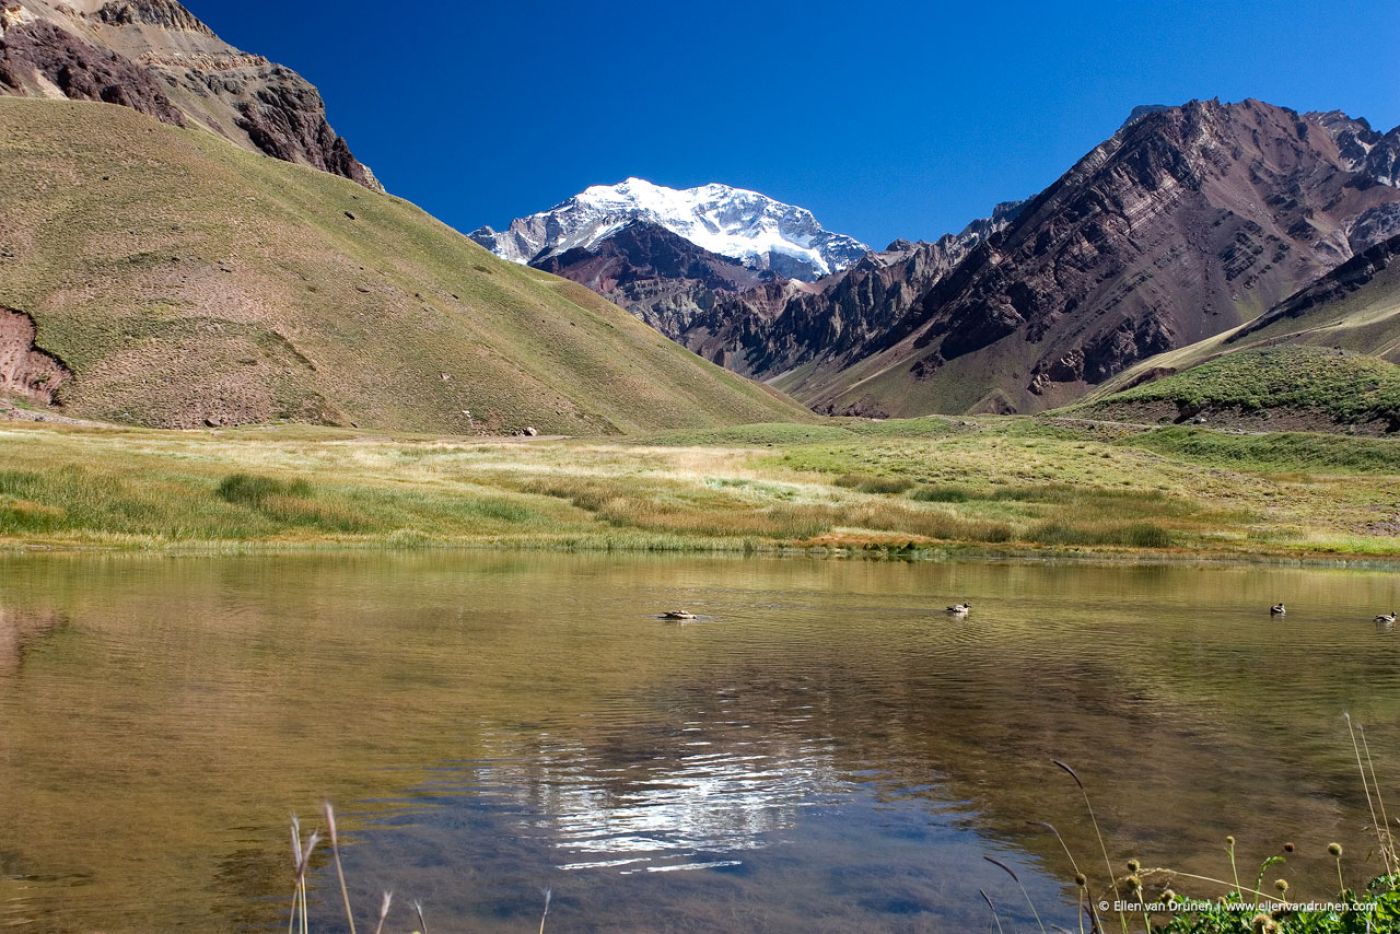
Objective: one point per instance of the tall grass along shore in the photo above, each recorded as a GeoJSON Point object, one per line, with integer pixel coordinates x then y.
{"type": "Point", "coordinates": [916, 487]}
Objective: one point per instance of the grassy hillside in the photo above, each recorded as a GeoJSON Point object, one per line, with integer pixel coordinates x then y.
{"type": "Point", "coordinates": [1356, 307]}
{"type": "Point", "coordinates": [186, 282]}
{"type": "Point", "coordinates": [1332, 388]}
{"type": "Point", "coordinates": [896, 487]}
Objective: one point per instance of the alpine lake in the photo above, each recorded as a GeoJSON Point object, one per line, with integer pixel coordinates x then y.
{"type": "Point", "coordinates": [822, 749]}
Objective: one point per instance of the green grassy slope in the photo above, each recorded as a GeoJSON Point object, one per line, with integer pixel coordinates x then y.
{"type": "Point", "coordinates": [187, 282]}
{"type": "Point", "coordinates": [1335, 386]}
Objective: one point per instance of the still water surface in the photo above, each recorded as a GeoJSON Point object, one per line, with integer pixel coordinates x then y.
{"type": "Point", "coordinates": [823, 751]}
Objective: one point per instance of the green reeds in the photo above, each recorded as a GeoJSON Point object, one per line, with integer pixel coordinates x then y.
{"type": "Point", "coordinates": [1264, 868]}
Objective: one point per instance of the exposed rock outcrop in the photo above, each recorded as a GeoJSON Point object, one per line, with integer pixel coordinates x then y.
{"type": "Point", "coordinates": [1336, 285]}
{"type": "Point", "coordinates": [165, 13]}
{"type": "Point", "coordinates": [660, 277]}
{"type": "Point", "coordinates": [286, 118]}
{"type": "Point", "coordinates": [26, 370]}
{"type": "Point", "coordinates": [38, 57]}
{"type": "Point", "coordinates": [157, 57]}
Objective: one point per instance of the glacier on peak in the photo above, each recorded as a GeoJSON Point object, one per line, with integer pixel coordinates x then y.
{"type": "Point", "coordinates": [744, 225]}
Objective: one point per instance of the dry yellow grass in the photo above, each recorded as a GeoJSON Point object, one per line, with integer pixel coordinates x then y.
{"type": "Point", "coordinates": [1001, 484]}
{"type": "Point", "coordinates": [187, 282]}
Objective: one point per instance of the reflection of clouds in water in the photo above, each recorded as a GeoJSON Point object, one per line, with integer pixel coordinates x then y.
{"type": "Point", "coordinates": [686, 807]}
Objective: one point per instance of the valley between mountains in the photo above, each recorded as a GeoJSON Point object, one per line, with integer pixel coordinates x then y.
{"type": "Point", "coordinates": [1186, 223]}
{"type": "Point", "coordinates": [1187, 343]}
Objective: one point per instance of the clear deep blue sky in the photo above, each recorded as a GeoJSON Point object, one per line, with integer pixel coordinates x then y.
{"type": "Point", "coordinates": [893, 119]}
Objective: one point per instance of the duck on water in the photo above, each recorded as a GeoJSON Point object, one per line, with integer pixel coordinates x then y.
{"type": "Point", "coordinates": [959, 609]}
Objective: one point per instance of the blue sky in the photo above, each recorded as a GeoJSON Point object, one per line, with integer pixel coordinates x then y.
{"type": "Point", "coordinates": [885, 119]}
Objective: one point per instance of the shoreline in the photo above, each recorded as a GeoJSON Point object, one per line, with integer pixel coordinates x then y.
{"type": "Point", "coordinates": [939, 554]}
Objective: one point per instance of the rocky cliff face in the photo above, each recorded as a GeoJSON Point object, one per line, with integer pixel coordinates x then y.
{"type": "Point", "coordinates": [167, 14]}
{"type": "Point", "coordinates": [782, 327]}
{"type": "Point", "coordinates": [1356, 273]}
{"type": "Point", "coordinates": [42, 56]}
{"type": "Point", "coordinates": [659, 276]}
{"type": "Point", "coordinates": [1189, 221]}
{"type": "Point", "coordinates": [157, 57]}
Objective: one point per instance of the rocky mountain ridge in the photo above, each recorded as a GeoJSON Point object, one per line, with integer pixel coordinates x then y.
{"type": "Point", "coordinates": [1327, 358]}
{"type": "Point", "coordinates": [1361, 272]}
{"type": "Point", "coordinates": [775, 330]}
{"type": "Point", "coordinates": [659, 276]}
{"type": "Point", "coordinates": [157, 57]}
{"type": "Point", "coordinates": [758, 323]}
{"type": "Point", "coordinates": [1185, 223]}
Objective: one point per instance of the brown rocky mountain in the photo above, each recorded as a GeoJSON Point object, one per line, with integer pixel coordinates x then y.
{"type": "Point", "coordinates": [1323, 359]}
{"type": "Point", "coordinates": [797, 330]}
{"type": "Point", "coordinates": [1188, 222]}
{"type": "Point", "coordinates": [752, 321]}
{"type": "Point", "coordinates": [156, 57]}
{"type": "Point", "coordinates": [1354, 308]}
{"type": "Point", "coordinates": [659, 276]}
{"type": "Point", "coordinates": [1326, 311]}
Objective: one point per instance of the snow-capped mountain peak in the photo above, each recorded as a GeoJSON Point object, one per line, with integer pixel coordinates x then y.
{"type": "Point", "coordinates": [744, 225]}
